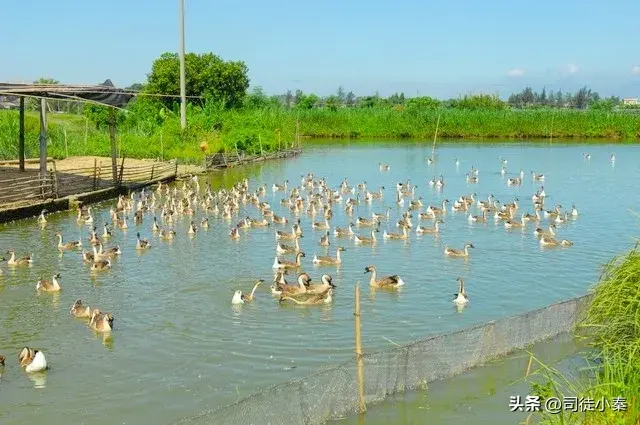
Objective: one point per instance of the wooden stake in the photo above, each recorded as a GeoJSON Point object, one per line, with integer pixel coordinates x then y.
{"type": "Point", "coordinates": [114, 153]}
{"type": "Point", "coordinates": [435, 136]}
{"type": "Point", "coordinates": [359, 360]}
{"type": "Point", "coordinates": [161, 147]}
{"type": "Point", "coordinates": [95, 173]}
{"type": "Point", "coordinates": [43, 139]}
{"type": "Point", "coordinates": [99, 174]}
{"type": "Point", "coordinates": [55, 180]}
{"type": "Point", "coordinates": [260, 139]}
{"type": "Point", "coordinates": [121, 170]}
{"type": "Point", "coordinates": [66, 147]}
{"type": "Point", "coordinates": [86, 130]}
{"type": "Point", "coordinates": [21, 135]}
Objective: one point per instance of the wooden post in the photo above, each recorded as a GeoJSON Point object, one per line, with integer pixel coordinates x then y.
{"type": "Point", "coordinates": [99, 174]}
{"type": "Point", "coordinates": [95, 174]}
{"type": "Point", "coordinates": [359, 360]}
{"type": "Point", "coordinates": [112, 136]}
{"type": "Point", "coordinates": [66, 147]}
{"type": "Point", "coordinates": [153, 168]}
{"type": "Point", "coordinates": [260, 139]}
{"type": "Point", "coordinates": [176, 171]}
{"type": "Point", "coordinates": [43, 139]}
{"type": "Point", "coordinates": [297, 139]}
{"type": "Point", "coordinates": [55, 181]}
{"type": "Point", "coordinates": [161, 147]}
{"type": "Point", "coordinates": [86, 130]}
{"type": "Point", "coordinates": [21, 135]}
{"type": "Point", "coordinates": [121, 171]}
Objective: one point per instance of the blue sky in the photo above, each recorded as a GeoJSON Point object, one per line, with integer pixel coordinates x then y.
{"type": "Point", "coordinates": [439, 48]}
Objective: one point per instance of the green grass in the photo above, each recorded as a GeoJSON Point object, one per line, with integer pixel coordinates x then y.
{"type": "Point", "coordinates": [271, 128]}
{"type": "Point", "coordinates": [613, 326]}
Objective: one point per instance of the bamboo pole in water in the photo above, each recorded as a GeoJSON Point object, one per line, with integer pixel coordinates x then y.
{"type": "Point", "coordinates": [359, 360]}
{"type": "Point", "coordinates": [435, 136]}
{"type": "Point", "coordinates": [526, 373]}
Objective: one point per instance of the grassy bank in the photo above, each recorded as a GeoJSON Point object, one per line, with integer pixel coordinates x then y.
{"type": "Point", "coordinates": [613, 324]}
{"type": "Point", "coordinates": [145, 136]}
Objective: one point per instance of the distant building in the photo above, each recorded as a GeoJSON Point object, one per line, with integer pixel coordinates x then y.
{"type": "Point", "coordinates": [630, 101]}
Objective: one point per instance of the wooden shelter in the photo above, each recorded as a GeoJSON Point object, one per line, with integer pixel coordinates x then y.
{"type": "Point", "coordinates": [104, 94]}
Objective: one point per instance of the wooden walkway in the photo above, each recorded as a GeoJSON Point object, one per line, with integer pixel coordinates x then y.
{"type": "Point", "coordinates": [23, 188]}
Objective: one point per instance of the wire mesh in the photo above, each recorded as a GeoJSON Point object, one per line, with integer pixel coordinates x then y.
{"type": "Point", "coordinates": [331, 393]}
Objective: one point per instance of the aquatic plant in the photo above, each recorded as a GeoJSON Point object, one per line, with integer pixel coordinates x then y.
{"type": "Point", "coordinates": [612, 369]}
{"type": "Point", "coordinates": [144, 133]}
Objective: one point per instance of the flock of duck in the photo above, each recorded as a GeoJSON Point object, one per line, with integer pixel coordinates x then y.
{"type": "Point", "coordinates": [313, 197]}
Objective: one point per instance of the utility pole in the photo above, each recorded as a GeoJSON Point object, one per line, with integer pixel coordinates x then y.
{"type": "Point", "coordinates": [183, 89]}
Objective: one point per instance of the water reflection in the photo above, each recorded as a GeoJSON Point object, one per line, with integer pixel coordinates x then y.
{"type": "Point", "coordinates": [39, 379]}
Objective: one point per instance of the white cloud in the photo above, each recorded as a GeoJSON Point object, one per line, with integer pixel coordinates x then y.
{"type": "Point", "coordinates": [515, 72]}
{"type": "Point", "coordinates": [635, 70]}
{"type": "Point", "coordinates": [571, 69]}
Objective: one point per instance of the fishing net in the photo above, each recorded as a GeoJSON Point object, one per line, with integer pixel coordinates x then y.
{"type": "Point", "coordinates": [331, 393]}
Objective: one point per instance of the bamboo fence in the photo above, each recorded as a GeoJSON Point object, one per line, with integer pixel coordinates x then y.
{"type": "Point", "coordinates": [60, 183]}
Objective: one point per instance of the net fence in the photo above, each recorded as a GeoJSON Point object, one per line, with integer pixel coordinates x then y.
{"type": "Point", "coordinates": [333, 392]}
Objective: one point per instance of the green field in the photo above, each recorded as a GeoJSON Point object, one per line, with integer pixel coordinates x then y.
{"type": "Point", "coordinates": [141, 136]}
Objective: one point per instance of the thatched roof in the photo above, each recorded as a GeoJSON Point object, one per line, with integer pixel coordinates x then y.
{"type": "Point", "coordinates": [104, 93]}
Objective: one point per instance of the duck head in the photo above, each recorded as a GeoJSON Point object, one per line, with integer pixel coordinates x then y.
{"type": "Point", "coordinates": [328, 280]}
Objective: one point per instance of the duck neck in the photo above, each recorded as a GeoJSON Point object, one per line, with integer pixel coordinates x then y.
{"type": "Point", "coordinates": [301, 284]}
{"type": "Point", "coordinates": [372, 281]}
{"type": "Point", "coordinates": [253, 290]}
{"type": "Point", "coordinates": [56, 284]}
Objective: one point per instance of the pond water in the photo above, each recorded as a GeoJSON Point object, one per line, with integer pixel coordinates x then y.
{"type": "Point", "coordinates": [179, 347]}
{"type": "Point", "coordinates": [482, 393]}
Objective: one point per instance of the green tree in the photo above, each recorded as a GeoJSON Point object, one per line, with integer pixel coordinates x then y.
{"type": "Point", "coordinates": [135, 87]}
{"type": "Point", "coordinates": [581, 98]}
{"type": "Point", "coordinates": [206, 75]}
{"type": "Point", "coordinates": [288, 99]}
{"type": "Point", "coordinates": [257, 99]}
{"type": "Point", "coordinates": [307, 101]}
{"type": "Point", "coordinates": [332, 102]}
{"type": "Point", "coordinates": [350, 99]}
{"type": "Point", "coordinates": [422, 103]}
{"type": "Point", "coordinates": [396, 99]}
{"type": "Point", "coordinates": [100, 115]}
{"type": "Point", "coordinates": [341, 95]}
{"type": "Point", "coordinates": [299, 95]}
